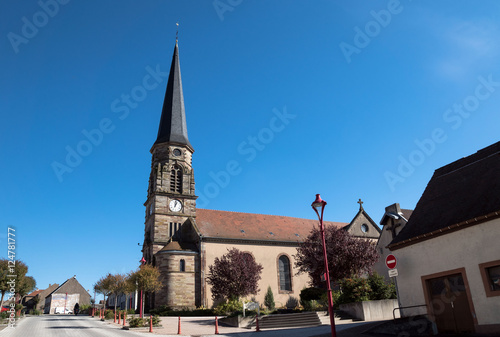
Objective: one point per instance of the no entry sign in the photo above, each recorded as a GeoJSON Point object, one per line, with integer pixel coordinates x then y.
{"type": "Point", "coordinates": [390, 261]}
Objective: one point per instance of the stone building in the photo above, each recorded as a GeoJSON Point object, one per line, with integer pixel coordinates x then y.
{"type": "Point", "coordinates": [183, 241]}
{"type": "Point", "coordinates": [393, 221]}
{"type": "Point", "coordinates": [66, 296]}
{"type": "Point", "coordinates": [448, 253]}
{"type": "Point", "coordinates": [41, 294]}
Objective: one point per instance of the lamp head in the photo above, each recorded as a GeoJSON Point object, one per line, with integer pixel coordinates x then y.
{"type": "Point", "coordinates": [319, 205]}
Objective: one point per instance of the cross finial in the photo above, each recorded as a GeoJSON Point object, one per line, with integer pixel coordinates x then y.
{"type": "Point", "coordinates": [360, 204]}
{"type": "Point", "coordinates": [177, 32]}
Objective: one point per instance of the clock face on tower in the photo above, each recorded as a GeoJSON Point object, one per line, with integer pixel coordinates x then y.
{"type": "Point", "coordinates": [175, 205]}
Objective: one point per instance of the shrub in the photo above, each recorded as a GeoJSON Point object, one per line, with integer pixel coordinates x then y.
{"type": "Point", "coordinates": [109, 314]}
{"type": "Point", "coordinates": [309, 294]}
{"type": "Point", "coordinates": [228, 307]}
{"type": "Point", "coordinates": [35, 312]}
{"type": "Point", "coordinates": [292, 302]}
{"type": "Point", "coordinates": [269, 299]}
{"type": "Point", "coordinates": [156, 320]}
{"type": "Point", "coordinates": [137, 322]}
{"type": "Point", "coordinates": [354, 289]}
{"type": "Point", "coordinates": [314, 305]}
{"type": "Point", "coordinates": [4, 314]}
{"type": "Point", "coordinates": [335, 299]}
{"type": "Point", "coordinates": [167, 311]}
{"type": "Point", "coordinates": [380, 289]}
{"type": "Point", "coordinates": [130, 311]}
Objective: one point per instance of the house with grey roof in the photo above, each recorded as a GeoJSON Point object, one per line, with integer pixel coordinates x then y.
{"type": "Point", "coordinates": [448, 256]}
{"type": "Point", "coordinates": [66, 296]}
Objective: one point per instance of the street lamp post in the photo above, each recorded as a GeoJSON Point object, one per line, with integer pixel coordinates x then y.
{"type": "Point", "coordinates": [318, 205]}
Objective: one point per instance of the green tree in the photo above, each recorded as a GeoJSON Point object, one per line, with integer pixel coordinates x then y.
{"type": "Point", "coordinates": [118, 285]}
{"type": "Point", "coordinates": [26, 286]}
{"type": "Point", "coordinates": [4, 279]}
{"type": "Point", "coordinates": [269, 299]}
{"type": "Point", "coordinates": [146, 278]}
{"type": "Point", "coordinates": [105, 286]}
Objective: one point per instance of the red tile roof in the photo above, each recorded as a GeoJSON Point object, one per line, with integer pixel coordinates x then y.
{"type": "Point", "coordinates": [249, 226]}
{"type": "Point", "coordinates": [36, 292]}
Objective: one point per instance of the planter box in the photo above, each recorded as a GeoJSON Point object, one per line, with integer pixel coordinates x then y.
{"type": "Point", "coordinates": [238, 321]}
{"type": "Point", "coordinates": [371, 310]}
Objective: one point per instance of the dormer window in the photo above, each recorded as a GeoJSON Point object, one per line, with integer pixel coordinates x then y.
{"type": "Point", "coordinates": [176, 179]}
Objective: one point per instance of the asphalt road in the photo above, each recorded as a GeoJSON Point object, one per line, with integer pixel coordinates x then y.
{"type": "Point", "coordinates": [64, 326]}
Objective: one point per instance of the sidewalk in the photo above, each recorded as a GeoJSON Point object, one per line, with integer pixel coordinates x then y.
{"type": "Point", "coordinates": [205, 327]}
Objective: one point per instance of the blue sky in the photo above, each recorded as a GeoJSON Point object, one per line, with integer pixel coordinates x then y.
{"type": "Point", "coordinates": [352, 100]}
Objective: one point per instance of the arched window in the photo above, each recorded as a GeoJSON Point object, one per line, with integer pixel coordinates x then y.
{"type": "Point", "coordinates": [182, 265]}
{"type": "Point", "coordinates": [284, 270]}
{"type": "Point", "coordinates": [176, 179]}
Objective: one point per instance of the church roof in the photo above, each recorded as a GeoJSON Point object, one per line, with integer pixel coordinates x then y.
{"type": "Point", "coordinates": [460, 194]}
{"type": "Point", "coordinates": [176, 246]}
{"type": "Point", "coordinates": [249, 226]}
{"type": "Point", "coordinates": [173, 127]}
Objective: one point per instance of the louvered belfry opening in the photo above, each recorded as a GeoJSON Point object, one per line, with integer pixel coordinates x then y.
{"type": "Point", "coordinates": [176, 179]}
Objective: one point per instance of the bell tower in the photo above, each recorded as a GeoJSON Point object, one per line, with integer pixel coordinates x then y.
{"type": "Point", "coordinates": [171, 199]}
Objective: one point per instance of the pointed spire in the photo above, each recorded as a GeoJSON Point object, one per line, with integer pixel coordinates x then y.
{"type": "Point", "coordinates": [173, 127]}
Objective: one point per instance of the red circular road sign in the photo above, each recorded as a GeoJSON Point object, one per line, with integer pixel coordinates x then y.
{"type": "Point", "coordinates": [390, 261]}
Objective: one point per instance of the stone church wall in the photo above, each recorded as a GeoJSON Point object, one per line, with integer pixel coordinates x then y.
{"type": "Point", "coordinates": [268, 256]}
{"type": "Point", "coordinates": [178, 291]}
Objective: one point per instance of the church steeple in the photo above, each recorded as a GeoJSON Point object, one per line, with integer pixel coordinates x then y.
{"type": "Point", "coordinates": [173, 127]}
{"type": "Point", "coordinates": [171, 190]}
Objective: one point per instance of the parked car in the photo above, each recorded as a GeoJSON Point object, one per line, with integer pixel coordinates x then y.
{"type": "Point", "coordinates": [60, 310]}
{"type": "Point", "coordinates": [5, 308]}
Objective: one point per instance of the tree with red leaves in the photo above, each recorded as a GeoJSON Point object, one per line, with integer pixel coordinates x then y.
{"type": "Point", "coordinates": [347, 256]}
{"type": "Point", "coordinates": [234, 275]}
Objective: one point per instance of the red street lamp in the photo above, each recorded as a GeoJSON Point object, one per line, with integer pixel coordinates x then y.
{"type": "Point", "coordinates": [318, 205]}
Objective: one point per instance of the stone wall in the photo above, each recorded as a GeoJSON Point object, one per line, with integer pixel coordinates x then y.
{"type": "Point", "coordinates": [371, 310]}
{"type": "Point", "coordinates": [179, 286]}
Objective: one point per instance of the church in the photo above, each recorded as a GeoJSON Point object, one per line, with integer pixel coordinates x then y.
{"type": "Point", "coordinates": [183, 240]}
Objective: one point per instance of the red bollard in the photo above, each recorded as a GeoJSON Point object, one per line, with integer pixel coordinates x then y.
{"type": "Point", "coordinates": [216, 326]}
{"type": "Point", "coordinates": [119, 316]}
{"type": "Point", "coordinates": [150, 323]}
{"type": "Point", "coordinates": [124, 314]}
{"type": "Point", "coordinates": [115, 318]}
{"type": "Point", "coordinates": [179, 328]}
{"type": "Point", "coordinates": [258, 329]}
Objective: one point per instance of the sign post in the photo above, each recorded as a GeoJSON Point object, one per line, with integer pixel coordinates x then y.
{"type": "Point", "coordinates": [391, 263]}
